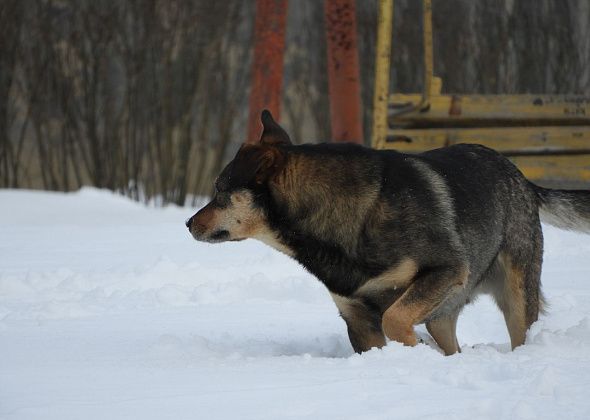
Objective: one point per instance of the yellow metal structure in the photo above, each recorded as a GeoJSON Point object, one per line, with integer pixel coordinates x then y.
{"type": "Point", "coordinates": [547, 136]}
{"type": "Point", "coordinates": [382, 64]}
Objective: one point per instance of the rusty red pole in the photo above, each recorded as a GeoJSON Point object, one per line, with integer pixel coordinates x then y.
{"type": "Point", "coordinates": [267, 65]}
{"type": "Point", "coordinates": [343, 71]}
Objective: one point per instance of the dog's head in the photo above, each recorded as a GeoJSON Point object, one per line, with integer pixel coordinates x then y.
{"type": "Point", "coordinates": [236, 211]}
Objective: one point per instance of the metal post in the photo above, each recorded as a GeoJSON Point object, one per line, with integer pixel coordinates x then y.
{"type": "Point", "coordinates": [382, 65]}
{"type": "Point", "coordinates": [267, 65]}
{"type": "Point", "coordinates": [343, 71]}
{"type": "Point", "coordinates": [428, 61]}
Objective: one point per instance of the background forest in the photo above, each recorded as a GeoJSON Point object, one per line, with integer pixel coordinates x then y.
{"type": "Point", "coordinates": [149, 98]}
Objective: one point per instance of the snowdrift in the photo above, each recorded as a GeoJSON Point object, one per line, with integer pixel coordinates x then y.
{"type": "Point", "coordinates": [109, 310]}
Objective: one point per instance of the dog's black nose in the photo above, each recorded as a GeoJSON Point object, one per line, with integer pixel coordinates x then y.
{"type": "Point", "coordinates": [189, 222]}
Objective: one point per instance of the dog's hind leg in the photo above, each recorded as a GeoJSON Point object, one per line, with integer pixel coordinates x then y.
{"type": "Point", "coordinates": [363, 323]}
{"type": "Point", "coordinates": [443, 330]}
{"type": "Point", "coordinates": [518, 296]}
{"type": "Point", "coordinates": [426, 293]}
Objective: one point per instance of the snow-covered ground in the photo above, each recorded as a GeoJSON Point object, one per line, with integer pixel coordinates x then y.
{"type": "Point", "coordinates": [110, 310]}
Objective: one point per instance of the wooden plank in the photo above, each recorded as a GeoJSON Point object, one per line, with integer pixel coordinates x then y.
{"type": "Point", "coordinates": [556, 170]}
{"type": "Point", "coordinates": [508, 140]}
{"type": "Point", "coordinates": [461, 109]}
{"type": "Point", "coordinates": [551, 156]}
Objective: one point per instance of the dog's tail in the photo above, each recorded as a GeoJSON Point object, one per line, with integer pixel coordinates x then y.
{"type": "Point", "coordinates": [565, 209]}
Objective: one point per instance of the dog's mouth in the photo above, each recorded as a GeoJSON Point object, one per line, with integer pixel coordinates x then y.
{"type": "Point", "coordinates": [219, 236]}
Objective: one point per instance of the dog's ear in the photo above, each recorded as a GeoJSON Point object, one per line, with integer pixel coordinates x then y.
{"type": "Point", "coordinates": [271, 161]}
{"type": "Point", "coordinates": [273, 134]}
{"type": "Point", "coordinates": [261, 161]}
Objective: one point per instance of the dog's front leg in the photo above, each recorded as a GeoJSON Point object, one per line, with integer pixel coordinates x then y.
{"type": "Point", "coordinates": [424, 295]}
{"type": "Point", "coordinates": [363, 323]}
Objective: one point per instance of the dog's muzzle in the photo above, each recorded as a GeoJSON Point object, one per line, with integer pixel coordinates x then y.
{"type": "Point", "coordinates": [198, 231]}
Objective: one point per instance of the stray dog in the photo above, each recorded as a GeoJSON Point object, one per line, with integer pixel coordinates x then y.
{"type": "Point", "coordinates": [397, 239]}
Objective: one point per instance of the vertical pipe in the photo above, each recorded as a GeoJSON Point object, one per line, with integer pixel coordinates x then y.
{"type": "Point", "coordinates": [382, 66]}
{"type": "Point", "coordinates": [343, 71]}
{"type": "Point", "coordinates": [267, 64]}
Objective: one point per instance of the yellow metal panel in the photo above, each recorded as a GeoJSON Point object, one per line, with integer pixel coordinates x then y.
{"type": "Point", "coordinates": [521, 140]}
{"type": "Point", "coordinates": [547, 136]}
{"type": "Point", "coordinates": [454, 109]}
{"type": "Point", "coordinates": [382, 64]}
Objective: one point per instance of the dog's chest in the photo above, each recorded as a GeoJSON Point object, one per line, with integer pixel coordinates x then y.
{"type": "Point", "coordinates": [271, 239]}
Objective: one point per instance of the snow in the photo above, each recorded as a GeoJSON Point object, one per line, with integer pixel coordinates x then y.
{"type": "Point", "coordinates": [110, 310]}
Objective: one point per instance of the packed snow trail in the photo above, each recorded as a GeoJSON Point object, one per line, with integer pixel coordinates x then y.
{"type": "Point", "coordinates": [110, 310]}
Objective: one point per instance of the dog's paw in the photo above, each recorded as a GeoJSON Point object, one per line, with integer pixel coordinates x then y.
{"type": "Point", "coordinates": [424, 338]}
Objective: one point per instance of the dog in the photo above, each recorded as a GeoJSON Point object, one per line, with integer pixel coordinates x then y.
{"type": "Point", "coordinates": [397, 239]}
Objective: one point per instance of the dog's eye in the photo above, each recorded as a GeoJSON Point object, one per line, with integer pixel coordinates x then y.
{"type": "Point", "coordinates": [222, 199]}
{"type": "Point", "coordinates": [220, 187]}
